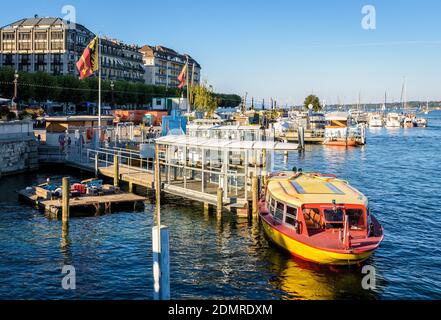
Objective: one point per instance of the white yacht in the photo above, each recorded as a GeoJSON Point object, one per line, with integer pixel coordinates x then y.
{"type": "Point", "coordinates": [421, 122]}
{"type": "Point", "coordinates": [393, 120]}
{"type": "Point", "coordinates": [375, 120]}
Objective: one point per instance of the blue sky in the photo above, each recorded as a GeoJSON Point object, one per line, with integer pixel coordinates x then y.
{"type": "Point", "coordinates": [284, 49]}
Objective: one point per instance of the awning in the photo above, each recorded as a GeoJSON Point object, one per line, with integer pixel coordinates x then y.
{"type": "Point", "coordinates": [207, 143]}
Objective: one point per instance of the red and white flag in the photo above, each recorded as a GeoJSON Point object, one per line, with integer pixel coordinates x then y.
{"type": "Point", "coordinates": [183, 77]}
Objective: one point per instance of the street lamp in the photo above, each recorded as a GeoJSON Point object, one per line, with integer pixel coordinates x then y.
{"type": "Point", "coordinates": [112, 86]}
{"type": "Point", "coordinates": [16, 76]}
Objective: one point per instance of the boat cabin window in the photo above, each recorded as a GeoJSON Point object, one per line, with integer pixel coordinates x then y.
{"type": "Point", "coordinates": [334, 218]}
{"type": "Point", "coordinates": [312, 218]}
{"type": "Point", "coordinates": [291, 216]}
{"type": "Point", "coordinates": [272, 206]}
{"type": "Point", "coordinates": [280, 211]}
{"type": "Point", "coordinates": [356, 219]}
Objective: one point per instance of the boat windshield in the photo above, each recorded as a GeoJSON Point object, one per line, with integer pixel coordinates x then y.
{"type": "Point", "coordinates": [335, 218]}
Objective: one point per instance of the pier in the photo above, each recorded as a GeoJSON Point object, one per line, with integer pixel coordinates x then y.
{"type": "Point", "coordinates": [96, 204]}
{"type": "Point", "coordinates": [217, 173]}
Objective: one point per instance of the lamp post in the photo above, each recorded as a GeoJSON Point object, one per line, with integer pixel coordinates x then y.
{"type": "Point", "coordinates": [112, 87]}
{"type": "Point", "coordinates": [14, 103]}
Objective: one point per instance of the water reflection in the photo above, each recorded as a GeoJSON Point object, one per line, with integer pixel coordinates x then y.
{"type": "Point", "coordinates": [300, 280]}
{"type": "Point", "coordinates": [65, 245]}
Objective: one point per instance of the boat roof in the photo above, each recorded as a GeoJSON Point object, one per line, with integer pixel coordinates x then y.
{"type": "Point", "coordinates": [339, 116]}
{"type": "Point", "coordinates": [311, 188]}
{"type": "Point", "coordinates": [208, 143]}
{"type": "Point", "coordinates": [76, 118]}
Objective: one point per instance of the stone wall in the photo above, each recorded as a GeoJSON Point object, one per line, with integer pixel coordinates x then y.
{"type": "Point", "coordinates": [18, 148]}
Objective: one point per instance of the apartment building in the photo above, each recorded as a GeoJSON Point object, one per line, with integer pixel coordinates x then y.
{"type": "Point", "coordinates": [121, 61]}
{"type": "Point", "coordinates": [50, 45]}
{"type": "Point", "coordinates": [163, 65]}
{"type": "Point", "coordinates": [54, 45]}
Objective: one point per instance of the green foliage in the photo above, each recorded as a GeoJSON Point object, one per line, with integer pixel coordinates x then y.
{"type": "Point", "coordinates": [229, 100]}
{"type": "Point", "coordinates": [315, 101]}
{"type": "Point", "coordinates": [203, 99]}
{"type": "Point", "coordinates": [42, 87]}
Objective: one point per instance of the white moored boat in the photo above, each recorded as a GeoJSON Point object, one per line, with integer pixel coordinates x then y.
{"type": "Point", "coordinates": [393, 120]}
{"type": "Point", "coordinates": [375, 120]}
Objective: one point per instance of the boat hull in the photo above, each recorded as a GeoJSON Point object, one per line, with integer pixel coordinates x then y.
{"type": "Point", "coordinates": [309, 253]}
{"type": "Point", "coordinates": [342, 143]}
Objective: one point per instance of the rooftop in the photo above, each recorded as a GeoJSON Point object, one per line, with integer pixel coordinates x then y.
{"type": "Point", "coordinates": [41, 22]}
{"type": "Point", "coordinates": [314, 189]}
{"type": "Point", "coordinates": [207, 143]}
{"type": "Point", "coordinates": [76, 118]}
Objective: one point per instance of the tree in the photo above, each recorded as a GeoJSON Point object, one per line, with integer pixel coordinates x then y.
{"type": "Point", "coordinates": [6, 86]}
{"type": "Point", "coordinates": [314, 101]}
{"type": "Point", "coordinates": [203, 99]}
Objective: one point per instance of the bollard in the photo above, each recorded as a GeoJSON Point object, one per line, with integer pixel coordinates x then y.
{"type": "Point", "coordinates": [220, 200]}
{"type": "Point", "coordinates": [65, 201]}
{"type": "Point", "coordinates": [116, 170]}
{"type": "Point", "coordinates": [161, 263]}
{"type": "Point", "coordinates": [255, 194]}
{"type": "Point", "coordinates": [301, 137]}
{"type": "Point", "coordinates": [96, 165]}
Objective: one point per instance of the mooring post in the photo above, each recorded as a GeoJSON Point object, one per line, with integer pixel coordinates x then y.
{"type": "Point", "coordinates": [255, 192]}
{"type": "Point", "coordinates": [115, 170]}
{"type": "Point", "coordinates": [160, 243]}
{"type": "Point", "coordinates": [285, 154]}
{"type": "Point", "coordinates": [161, 263]}
{"type": "Point", "coordinates": [220, 201]}
{"type": "Point", "coordinates": [301, 138]}
{"type": "Point", "coordinates": [65, 201]}
{"type": "Point", "coordinates": [96, 165]}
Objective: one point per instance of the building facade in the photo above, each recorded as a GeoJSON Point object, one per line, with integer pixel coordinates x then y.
{"type": "Point", "coordinates": [54, 46]}
{"type": "Point", "coordinates": [121, 61]}
{"type": "Point", "coordinates": [163, 65]}
{"type": "Point", "coordinates": [50, 45]}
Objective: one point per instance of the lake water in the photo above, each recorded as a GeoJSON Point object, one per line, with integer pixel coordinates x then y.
{"type": "Point", "coordinates": [399, 170]}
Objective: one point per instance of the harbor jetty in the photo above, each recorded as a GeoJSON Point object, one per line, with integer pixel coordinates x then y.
{"type": "Point", "coordinates": [99, 199]}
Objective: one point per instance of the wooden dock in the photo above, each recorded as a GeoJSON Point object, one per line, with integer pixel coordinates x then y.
{"type": "Point", "coordinates": [215, 172]}
{"type": "Point", "coordinates": [84, 205]}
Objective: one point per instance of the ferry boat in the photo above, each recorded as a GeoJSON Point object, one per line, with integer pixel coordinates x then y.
{"type": "Point", "coordinates": [339, 132]}
{"type": "Point", "coordinates": [319, 218]}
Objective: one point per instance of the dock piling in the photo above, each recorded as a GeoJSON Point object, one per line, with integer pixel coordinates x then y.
{"type": "Point", "coordinates": [255, 194]}
{"type": "Point", "coordinates": [116, 170]}
{"type": "Point", "coordinates": [160, 243]}
{"type": "Point", "coordinates": [161, 263]}
{"type": "Point", "coordinates": [96, 165]}
{"type": "Point", "coordinates": [301, 137]}
{"type": "Point", "coordinates": [65, 201]}
{"type": "Point", "coordinates": [220, 200]}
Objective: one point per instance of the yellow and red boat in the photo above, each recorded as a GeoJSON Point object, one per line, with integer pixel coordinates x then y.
{"type": "Point", "coordinates": [319, 218]}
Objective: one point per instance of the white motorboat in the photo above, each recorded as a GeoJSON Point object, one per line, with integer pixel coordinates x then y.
{"type": "Point", "coordinates": [375, 120]}
{"type": "Point", "coordinates": [393, 120]}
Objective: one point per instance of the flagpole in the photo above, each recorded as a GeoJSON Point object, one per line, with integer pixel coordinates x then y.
{"type": "Point", "coordinates": [99, 84]}
{"type": "Point", "coordinates": [188, 92]}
